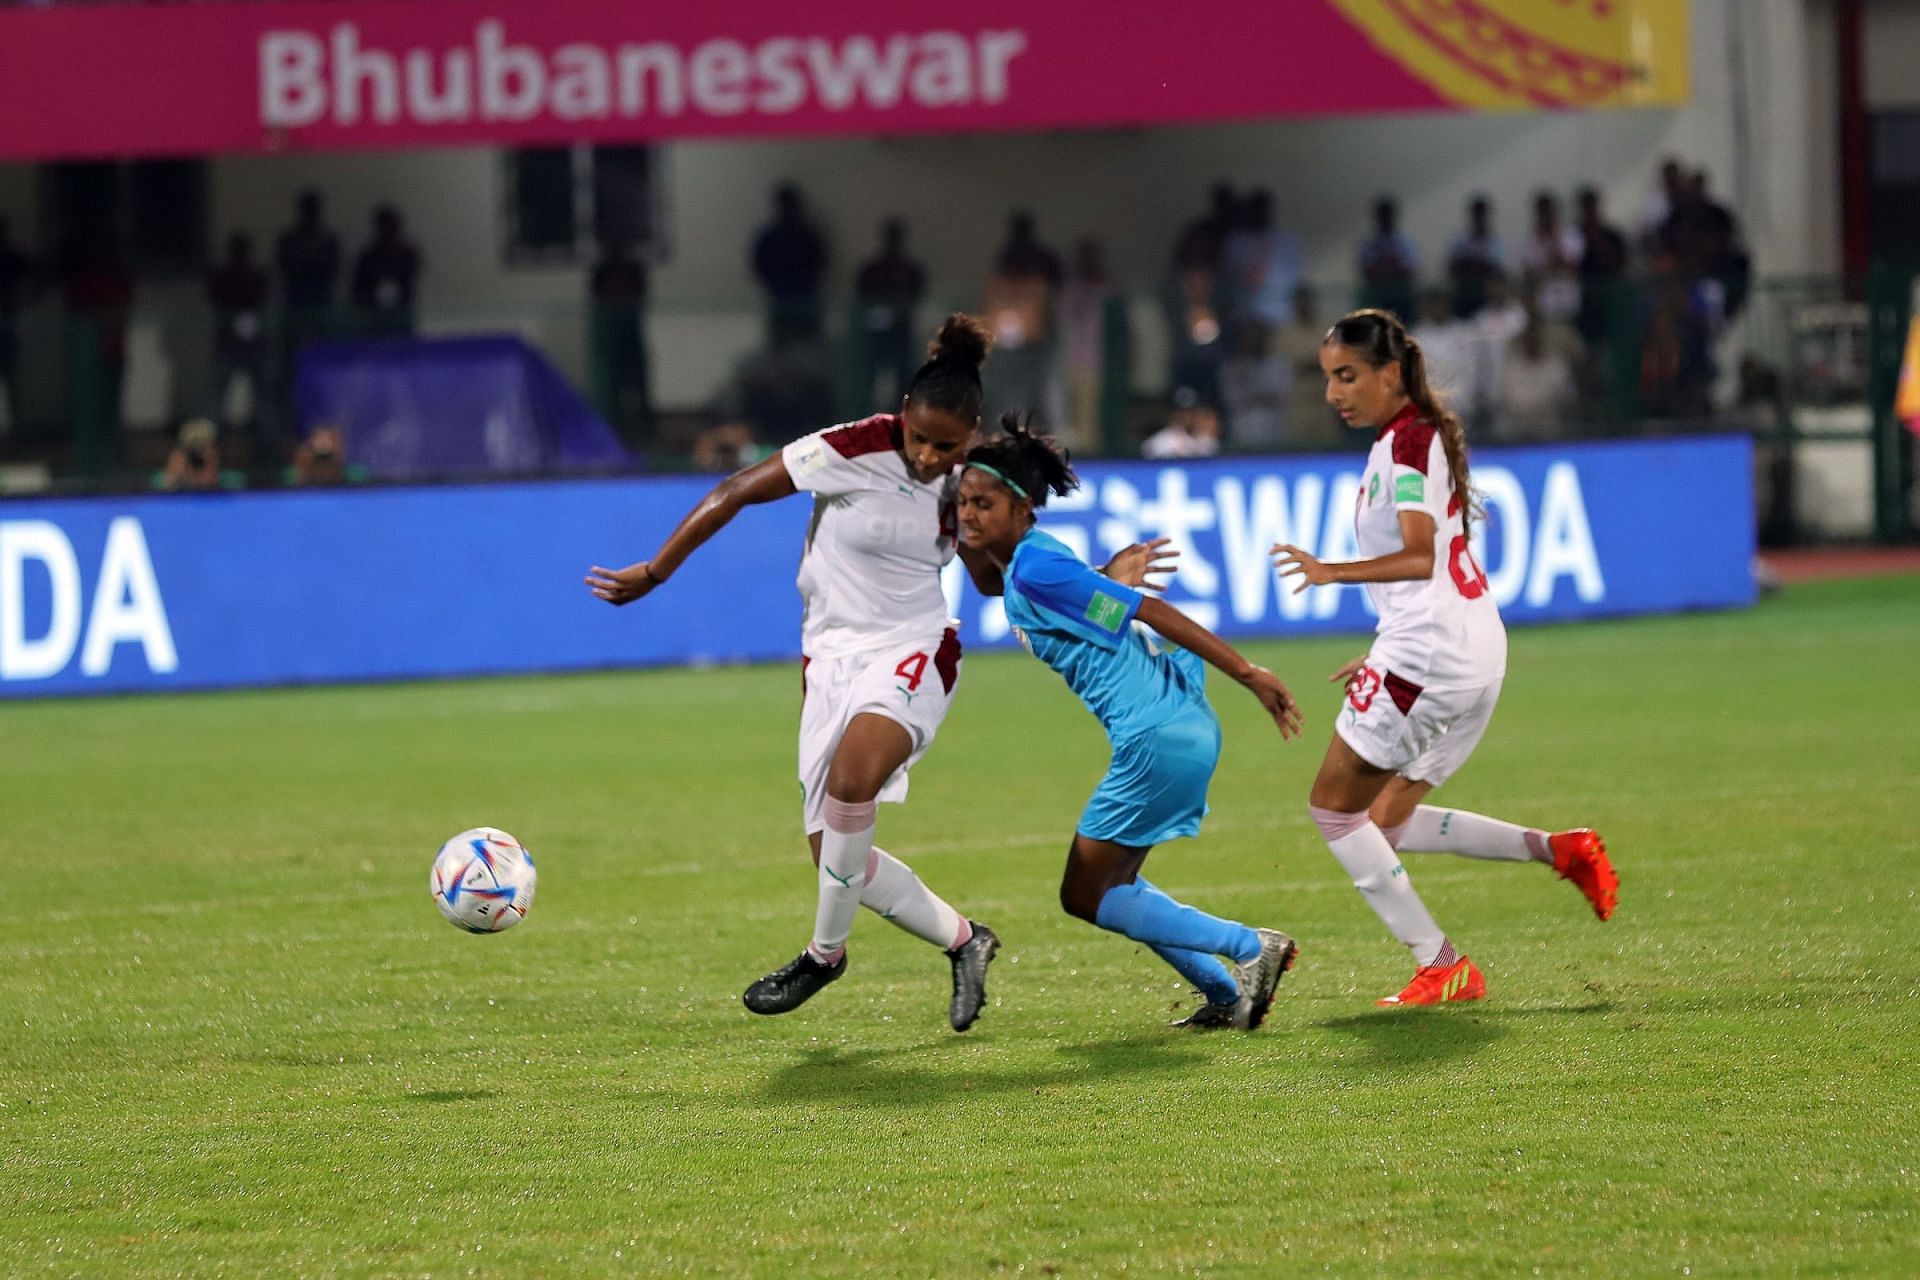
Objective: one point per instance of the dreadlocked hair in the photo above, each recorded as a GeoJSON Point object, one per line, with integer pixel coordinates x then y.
{"type": "Point", "coordinates": [950, 378]}
{"type": "Point", "coordinates": [1382, 340]}
{"type": "Point", "coordinates": [1038, 464]}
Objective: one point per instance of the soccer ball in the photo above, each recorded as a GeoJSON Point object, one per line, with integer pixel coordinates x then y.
{"type": "Point", "coordinates": [483, 880]}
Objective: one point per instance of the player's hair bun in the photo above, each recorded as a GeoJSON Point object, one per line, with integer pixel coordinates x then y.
{"type": "Point", "coordinates": [961, 340]}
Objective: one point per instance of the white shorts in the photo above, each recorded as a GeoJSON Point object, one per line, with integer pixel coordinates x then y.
{"type": "Point", "coordinates": [1424, 735]}
{"type": "Point", "coordinates": [912, 685]}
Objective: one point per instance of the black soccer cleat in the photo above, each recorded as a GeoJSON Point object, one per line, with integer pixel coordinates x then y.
{"type": "Point", "coordinates": [792, 985]}
{"type": "Point", "coordinates": [970, 960]}
{"type": "Point", "coordinates": [1211, 1017]}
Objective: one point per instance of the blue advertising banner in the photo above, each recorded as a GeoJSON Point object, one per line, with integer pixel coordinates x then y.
{"type": "Point", "coordinates": [203, 591]}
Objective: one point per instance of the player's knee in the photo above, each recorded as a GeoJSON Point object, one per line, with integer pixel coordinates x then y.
{"type": "Point", "coordinates": [850, 786]}
{"type": "Point", "coordinates": [1079, 901]}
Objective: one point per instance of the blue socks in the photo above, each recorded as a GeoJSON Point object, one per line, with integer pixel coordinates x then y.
{"type": "Point", "coordinates": [1205, 972]}
{"type": "Point", "coordinates": [1183, 936]}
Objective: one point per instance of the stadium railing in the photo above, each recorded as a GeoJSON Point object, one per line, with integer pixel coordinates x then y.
{"type": "Point", "coordinates": [1807, 365]}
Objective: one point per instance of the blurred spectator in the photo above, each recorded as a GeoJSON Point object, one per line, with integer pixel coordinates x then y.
{"type": "Point", "coordinates": [1552, 260]}
{"type": "Point", "coordinates": [1704, 240]}
{"type": "Point", "coordinates": [781, 392]}
{"type": "Point", "coordinates": [1024, 255]}
{"type": "Point", "coordinates": [1083, 312]}
{"type": "Point", "coordinates": [1603, 268]}
{"type": "Point", "coordinates": [385, 277]}
{"type": "Point", "coordinates": [194, 462]}
{"type": "Point", "coordinates": [1311, 422]}
{"type": "Point", "coordinates": [1192, 431]}
{"type": "Point", "coordinates": [726, 448]}
{"type": "Point", "coordinates": [1452, 346]}
{"type": "Point", "coordinates": [790, 261]}
{"type": "Point", "coordinates": [1261, 266]}
{"type": "Point", "coordinates": [1676, 361]}
{"type": "Point", "coordinates": [16, 277]}
{"type": "Point", "coordinates": [309, 258]}
{"type": "Point", "coordinates": [1477, 256]}
{"type": "Point", "coordinates": [618, 286]}
{"type": "Point", "coordinates": [890, 285]}
{"type": "Point", "coordinates": [321, 459]}
{"type": "Point", "coordinates": [1020, 302]}
{"type": "Point", "coordinates": [1536, 392]}
{"type": "Point", "coordinates": [238, 289]}
{"type": "Point", "coordinates": [1194, 305]}
{"type": "Point", "coordinates": [1388, 262]}
{"type": "Point", "coordinates": [1661, 202]}
{"type": "Point", "coordinates": [1497, 325]}
{"type": "Point", "coordinates": [98, 291]}
{"type": "Point", "coordinates": [1253, 388]}
{"type": "Point", "coordinates": [1201, 242]}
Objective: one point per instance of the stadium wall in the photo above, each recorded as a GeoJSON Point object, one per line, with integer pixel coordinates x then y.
{"type": "Point", "coordinates": [203, 591]}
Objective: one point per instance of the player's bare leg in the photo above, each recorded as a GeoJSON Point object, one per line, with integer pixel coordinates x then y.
{"type": "Point", "coordinates": [854, 872]}
{"type": "Point", "coordinates": [1103, 886]}
{"type": "Point", "coordinates": [1343, 797]}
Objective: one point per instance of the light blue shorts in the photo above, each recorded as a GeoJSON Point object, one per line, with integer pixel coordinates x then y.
{"type": "Point", "coordinates": [1156, 788]}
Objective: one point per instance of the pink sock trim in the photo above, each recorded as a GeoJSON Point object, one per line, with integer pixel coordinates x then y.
{"type": "Point", "coordinates": [1538, 847]}
{"type": "Point", "coordinates": [848, 818]}
{"type": "Point", "coordinates": [825, 957]}
{"type": "Point", "coordinates": [963, 935]}
{"type": "Point", "coordinates": [1334, 824]}
{"type": "Point", "coordinates": [1393, 834]}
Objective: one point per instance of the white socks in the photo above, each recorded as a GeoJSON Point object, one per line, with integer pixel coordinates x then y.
{"type": "Point", "coordinates": [897, 894]}
{"type": "Point", "coordinates": [853, 873]}
{"type": "Point", "coordinates": [1435, 830]}
{"type": "Point", "coordinates": [846, 853]}
{"type": "Point", "coordinates": [1364, 851]}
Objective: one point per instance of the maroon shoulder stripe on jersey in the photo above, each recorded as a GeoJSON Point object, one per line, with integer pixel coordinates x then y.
{"type": "Point", "coordinates": [878, 434]}
{"type": "Point", "coordinates": [1412, 442]}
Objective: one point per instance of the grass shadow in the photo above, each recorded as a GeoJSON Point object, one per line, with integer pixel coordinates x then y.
{"type": "Point", "coordinates": [886, 1078]}
{"type": "Point", "coordinates": [1415, 1037]}
{"type": "Point", "coordinates": [449, 1095]}
{"type": "Point", "coordinates": [1411, 1036]}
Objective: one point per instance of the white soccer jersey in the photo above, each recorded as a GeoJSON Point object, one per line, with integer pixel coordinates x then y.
{"type": "Point", "coordinates": [1444, 631]}
{"type": "Point", "coordinates": [870, 574]}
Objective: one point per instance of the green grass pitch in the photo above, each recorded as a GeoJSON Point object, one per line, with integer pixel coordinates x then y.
{"type": "Point", "coordinates": [236, 1038]}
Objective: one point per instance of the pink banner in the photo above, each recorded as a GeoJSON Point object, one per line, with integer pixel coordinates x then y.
{"type": "Point", "coordinates": [126, 80]}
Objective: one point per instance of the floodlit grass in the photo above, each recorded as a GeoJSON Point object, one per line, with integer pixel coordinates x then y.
{"type": "Point", "coordinates": [236, 1037]}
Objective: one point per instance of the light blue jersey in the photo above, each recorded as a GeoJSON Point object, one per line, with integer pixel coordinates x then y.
{"type": "Point", "coordinates": [1150, 698]}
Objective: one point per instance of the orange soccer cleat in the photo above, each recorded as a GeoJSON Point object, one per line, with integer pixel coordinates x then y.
{"type": "Point", "coordinates": [1581, 856]}
{"type": "Point", "coordinates": [1440, 983]}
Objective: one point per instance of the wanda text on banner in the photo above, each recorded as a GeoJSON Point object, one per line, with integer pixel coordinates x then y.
{"type": "Point", "coordinates": [180, 592]}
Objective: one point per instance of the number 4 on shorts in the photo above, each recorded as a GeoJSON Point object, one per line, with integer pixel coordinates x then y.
{"type": "Point", "coordinates": [911, 669]}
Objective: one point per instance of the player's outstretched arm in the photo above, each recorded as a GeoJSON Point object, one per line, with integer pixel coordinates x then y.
{"type": "Point", "coordinates": [1136, 566]}
{"type": "Point", "coordinates": [764, 481]}
{"type": "Point", "coordinates": [1262, 683]}
{"type": "Point", "coordinates": [1412, 563]}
